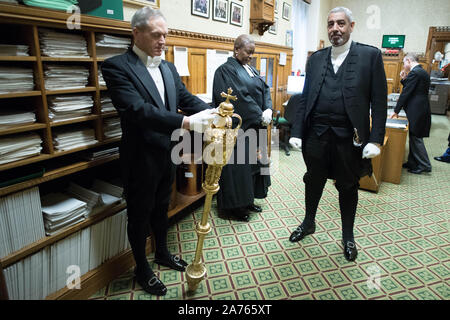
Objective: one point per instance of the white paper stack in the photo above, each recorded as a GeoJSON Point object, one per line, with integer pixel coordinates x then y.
{"type": "Point", "coordinates": [15, 79]}
{"type": "Point", "coordinates": [109, 46]}
{"type": "Point", "coordinates": [70, 138]}
{"type": "Point", "coordinates": [95, 155]}
{"type": "Point", "coordinates": [69, 107]}
{"type": "Point", "coordinates": [61, 211]}
{"type": "Point", "coordinates": [112, 128]}
{"type": "Point", "coordinates": [20, 146]}
{"type": "Point", "coordinates": [101, 81]}
{"type": "Point", "coordinates": [65, 77]}
{"type": "Point", "coordinates": [10, 117]}
{"type": "Point", "coordinates": [103, 187]}
{"type": "Point", "coordinates": [107, 105]}
{"type": "Point", "coordinates": [13, 50]}
{"type": "Point", "coordinates": [62, 44]}
{"type": "Point", "coordinates": [20, 220]}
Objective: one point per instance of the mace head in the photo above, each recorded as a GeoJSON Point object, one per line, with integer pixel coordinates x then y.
{"type": "Point", "coordinates": [226, 108]}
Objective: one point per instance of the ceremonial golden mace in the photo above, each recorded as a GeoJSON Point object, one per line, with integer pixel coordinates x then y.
{"type": "Point", "coordinates": [220, 139]}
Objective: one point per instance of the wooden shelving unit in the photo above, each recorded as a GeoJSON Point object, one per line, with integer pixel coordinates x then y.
{"type": "Point", "coordinates": [25, 23]}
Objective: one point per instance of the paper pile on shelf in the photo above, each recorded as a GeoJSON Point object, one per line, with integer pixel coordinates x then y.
{"type": "Point", "coordinates": [10, 117]}
{"type": "Point", "coordinates": [13, 49]}
{"type": "Point", "coordinates": [20, 146]}
{"type": "Point", "coordinates": [20, 220]}
{"type": "Point", "coordinates": [62, 44]}
{"type": "Point", "coordinates": [61, 211]}
{"type": "Point", "coordinates": [65, 77]}
{"type": "Point", "coordinates": [112, 128]}
{"type": "Point", "coordinates": [45, 272]}
{"type": "Point", "coordinates": [101, 81]}
{"type": "Point", "coordinates": [69, 107]}
{"type": "Point", "coordinates": [109, 46]}
{"type": "Point", "coordinates": [107, 105]}
{"type": "Point", "coordinates": [70, 138]}
{"type": "Point", "coordinates": [15, 79]}
{"type": "Point", "coordinates": [95, 155]}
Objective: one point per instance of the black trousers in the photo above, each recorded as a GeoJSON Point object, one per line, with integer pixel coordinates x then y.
{"type": "Point", "coordinates": [148, 196]}
{"type": "Point", "coordinates": [418, 156]}
{"type": "Point", "coordinates": [332, 157]}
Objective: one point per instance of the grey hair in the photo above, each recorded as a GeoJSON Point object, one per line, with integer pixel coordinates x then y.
{"type": "Point", "coordinates": [412, 56]}
{"type": "Point", "coordinates": [347, 12]}
{"type": "Point", "coordinates": [242, 41]}
{"type": "Point", "coordinates": [141, 17]}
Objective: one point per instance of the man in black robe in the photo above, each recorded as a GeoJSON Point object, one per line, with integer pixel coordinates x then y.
{"type": "Point", "coordinates": [243, 181]}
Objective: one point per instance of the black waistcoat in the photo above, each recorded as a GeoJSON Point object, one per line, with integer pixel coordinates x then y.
{"type": "Point", "coordinates": [329, 111]}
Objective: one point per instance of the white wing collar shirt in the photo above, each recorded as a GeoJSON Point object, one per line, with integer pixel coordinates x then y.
{"type": "Point", "coordinates": [152, 64]}
{"type": "Point", "coordinates": [338, 54]}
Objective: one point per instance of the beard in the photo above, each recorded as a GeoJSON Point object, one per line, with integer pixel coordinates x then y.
{"type": "Point", "coordinates": [337, 40]}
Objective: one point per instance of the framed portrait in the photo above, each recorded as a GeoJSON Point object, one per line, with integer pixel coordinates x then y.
{"type": "Point", "coordinates": [289, 37]}
{"type": "Point", "coordinates": [273, 28]}
{"type": "Point", "coordinates": [236, 14]}
{"type": "Point", "coordinates": [286, 11]}
{"type": "Point", "coordinates": [220, 10]}
{"type": "Point", "coordinates": [276, 6]}
{"type": "Point", "coordinates": [143, 3]}
{"type": "Point", "coordinates": [200, 8]}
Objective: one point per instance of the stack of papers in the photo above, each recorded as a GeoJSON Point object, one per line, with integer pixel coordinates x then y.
{"type": "Point", "coordinates": [52, 4]}
{"type": "Point", "coordinates": [13, 50]}
{"type": "Point", "coordinates": [109, 46]}
{"type": "Point", "coordinates": [21, 146]}
{"type": "Point", "coordinates": [69, 107]}
{"type": "Point", "coordinates": [70, 138]}
{"type": "Point", "coordinates": [112, 128]}
{"type": "Point", "coordinates": [65, 77]}
{"type": "Point", "coordinates": [13, 117]}
{"type": "Point", "coordinates": [107, 105]}
{"type": "Point", "coordinates": [95, 155]}
{"type": "Point", "coordinates": [396, 123]}
{"type": "Point", "coordinates": [62, 44]}
{"type": "Point", "coordinates": [20, 220]}
{"type": "Point", "coordinates": [61, 211]}
{"type": "Point", "coordinates": [14, 79]}
{"type": "Point", "coordinates": [101, 81]}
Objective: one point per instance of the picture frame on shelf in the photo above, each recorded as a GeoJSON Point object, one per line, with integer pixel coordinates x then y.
{"type": "Point", "coordinates": [273, 28]}
{"type": "Point", "coordinates": [286, 14]}
{"type": "Point", "coordinates": [220, 10]}
{"type": "Point", "coordinates": [200, 8]}
{"type": "Point", "coordinates": [143, 3]}
{"type": "Point", "coordinates": [236, 14]}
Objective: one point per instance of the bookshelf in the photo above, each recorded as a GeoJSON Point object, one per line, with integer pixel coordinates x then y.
{"type": "Point", "coordinates": [23, 24]}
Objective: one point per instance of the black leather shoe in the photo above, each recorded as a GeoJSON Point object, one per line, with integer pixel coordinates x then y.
{"type": "Point", "coordinates": [151, 284]}
{"type": "Point", "coordinates": [254, 208]}
{"type": "Point", "coordinates": [173, 262]}
{"type": "Point", "coordinates": [418, 171]}
{"type": "Point", "coordinates": [300, 233]}
{"type": "Point", "coordinates": [443, 159]}
{"type": "Point", "coordinates": [350, 251]}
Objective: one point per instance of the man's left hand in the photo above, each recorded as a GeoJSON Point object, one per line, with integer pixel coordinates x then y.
{"type": "Point", "coordinates": [394, 115]}
{"type": "Point", "coordinates": [370, 151]}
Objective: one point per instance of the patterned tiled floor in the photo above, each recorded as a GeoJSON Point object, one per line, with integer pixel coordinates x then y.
{"type": "Point", "coordinates": [402, 234]}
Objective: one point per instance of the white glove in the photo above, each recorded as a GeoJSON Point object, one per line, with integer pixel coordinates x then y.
{"type": "Point", "coordinates": [267, 117]}
{"type": "Point", "coordinates": [295, 143]}
{"type": "Point", "coordinates": [370, 151]}
{"type": "Point", "coordinates": [200, 121]}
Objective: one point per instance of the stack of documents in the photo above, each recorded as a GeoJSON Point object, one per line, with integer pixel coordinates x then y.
{"type": "Point", "coordinates": [52, 4]}
{"type": "Point", "coordinates": [13, 50]}
{"type": "Point", "coordinates": [62, 44]}
{"type": "Point", "coordinates": [95, 155]}
{"type": "Point", "coordinates": [20, 146]}
{"type": "Point", "coordinates": [70, 138]}
{"type": "Point", "coordinates": [396, 123]}
{"type": "Point", "coordinates": [107, 105]}
{"type": "Point", "coordinates": [109, 46]}
{"type": "Point", "coordinates": [13, 117]}
{"type": "Point", "coordinates": [69, 107]}
{"type": "Point", "coordinates": [61, 211]}
{"type": "Point", "coordinates": [65, 77]}
{"type": "Point", "coordinates": [15, 79]}
{"type": "Point", "coordinates": [20, 220]}
{"type": "Point", "coordinates": [112, 128]}
{"type": "Point", "coordinates": [101, 81]}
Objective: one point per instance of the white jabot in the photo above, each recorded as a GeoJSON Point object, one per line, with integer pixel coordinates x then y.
{"type": "Point", "coordinates": [338, 54]}
{"type": "Point", "coordinates": [152, 64]}
{"type": "Point", "coordinates": [249, 71]}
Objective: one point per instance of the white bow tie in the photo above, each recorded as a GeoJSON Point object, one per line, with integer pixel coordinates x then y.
{"type": "Point", "coordinates": [154, 62]}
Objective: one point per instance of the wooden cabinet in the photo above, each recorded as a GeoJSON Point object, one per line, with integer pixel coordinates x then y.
{"type": "Point", "coordinates": [438, 37]}
{"type": "Point", "coordinates": [392, 67]}
{"type": "Point", "coordinates": [262, 15]}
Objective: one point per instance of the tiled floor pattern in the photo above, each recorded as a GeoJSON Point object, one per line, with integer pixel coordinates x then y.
{"type": "Point", "coordinates": [402, 234]}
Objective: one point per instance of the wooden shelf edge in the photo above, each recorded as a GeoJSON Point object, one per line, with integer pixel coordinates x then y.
{"type": "Point", "coordinates": [21, 94]}
{"type": "Point", "coordinates": [75, 120]}
{"type": "Point", "coordinates": [64, 91]}
{"type": "Point", "coordinates": [184, 201]}
{"type": "Point", "coordinates": [62, 59]}
{"type": "Point", "coordinates": [18, 58]}
{"type": "Point", "coordinates": [22, 128]}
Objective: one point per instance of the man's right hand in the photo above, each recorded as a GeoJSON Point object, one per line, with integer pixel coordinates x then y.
{"type": "Point", "coordinates": [295, 143]}
{"type": "Point", "coordinates": [200, 121]}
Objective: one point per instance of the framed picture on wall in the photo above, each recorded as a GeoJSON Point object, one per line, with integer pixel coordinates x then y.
{"type": "Point", "coordinates": [286, 11]}
{"type": "Point", "coordinates": [200, 8]}
{"type": "Point", "coordinates": [276, 6]}
{"type": "Point", "coordinates": [236, 14]}
{"type": "Point", "coordinates": [143, 3]}
{"type": "Point", "coordinates": [273, 28]}
{"type": "Point", "coordinates": [220, 10]}
{"type": "Point", "coordinates": [289, 36]}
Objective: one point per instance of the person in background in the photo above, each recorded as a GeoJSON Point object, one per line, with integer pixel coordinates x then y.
{"type": "Point", "coordinates": [344, 85]}
{"type": "Point", "coordinates": [446, 156]}
{"type": "Point", "coordinates": [414, 100]}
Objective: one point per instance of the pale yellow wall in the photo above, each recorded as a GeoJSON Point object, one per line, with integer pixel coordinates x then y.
{"type": "Point", "coordinates": [409, 17]}
{"type": "Point", "coordinates": [178, 15]}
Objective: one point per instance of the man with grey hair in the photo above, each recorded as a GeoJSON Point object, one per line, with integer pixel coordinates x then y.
{"type": "Point", "coordinates": [414, 99]}
{"type": "Point", "coordinates": [345, 84]}
{"type": "Point", "coordinates": [146, 91]}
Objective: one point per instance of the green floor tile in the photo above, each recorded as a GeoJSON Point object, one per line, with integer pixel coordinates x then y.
{"type": "Point", "coordinates": [442, 289]}
{"type": "Point", "coordinates": [295, 287]}
{"type": "Point", "coordinates": [125, 296]}
{"type": "Point", "coordinates": [252, 249]}
{"type": "Point", "coordinates": [265, 276]}
{"type": "Point", "coordinates": [243, 280]}
{"type": "Point", "coordinates": [173, 293]}
{"type": "Point", "coordinates": [273, 292]}
{"type": "Point", "coordinates": [215, 269]}
{"type": "Point", "coordinates": [227, 241]}
{"type": "Point", "coordinates": [249, 294]}
{"type": "Point", "coordinates": [258, 262]}
{"type": "Point", "coordinates": [326, 295]}
{"type": "Point", "coordinates": [348, 293]}
{"type": "Point", "coordinates": [246, 238]}
{"type": "Point", "coordinates": [407, 280]}
{"type": "Point", "coordinates": [237, 265]}
{"type": "Point", "coordinates": [403, 296]}
{"type": "Point", "coordinates": [220, 284]}
{"type": "Point", "coordinates": [142, 295]}
{"type": "Point", "coordinates": [424, 294]}
{"type": "Point", "coordinates": [316, 282]}
{"type": "Point", "coordinates": [425, 276]}
{"type": "Point", "coordinates": [325, 264]}
{"type": "Point", "coordinates": [355, 274]}
{"type": "Point", "coordinates": [286, 272]}
{"type": "Point", "coordinates": [306, 267]}
{"type": "Point", "coordinates": [278, 258]}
